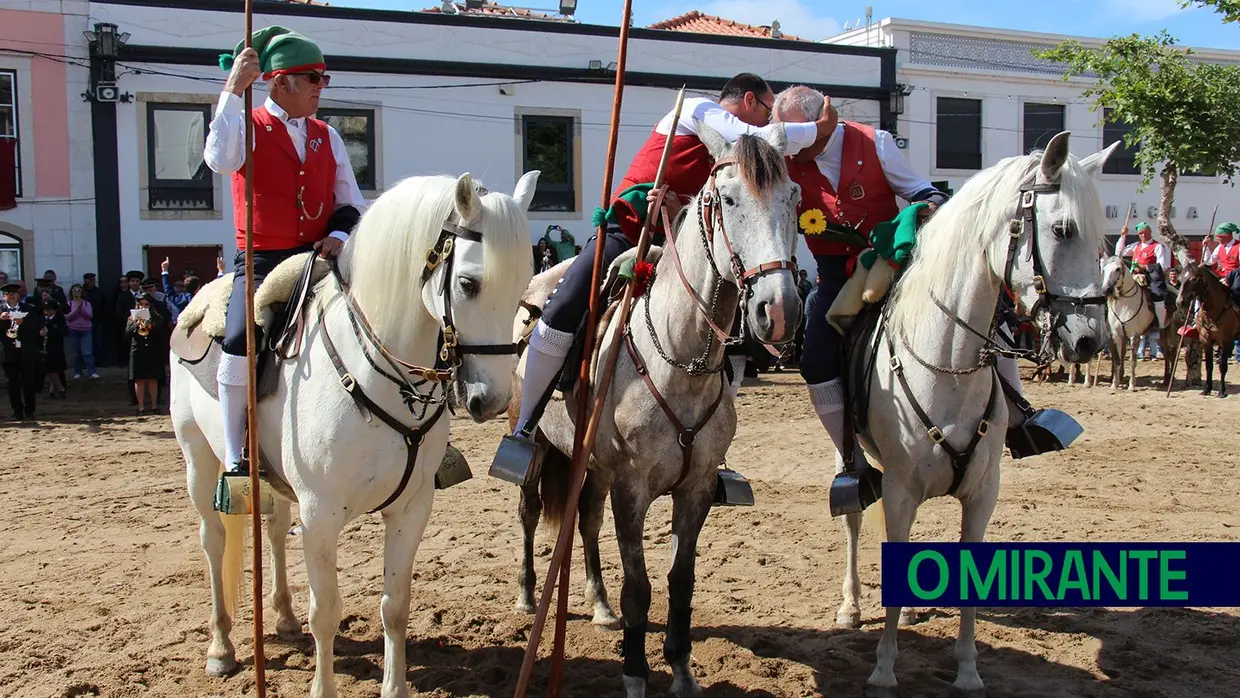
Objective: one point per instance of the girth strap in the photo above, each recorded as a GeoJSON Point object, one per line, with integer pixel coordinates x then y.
{"type": "Point", "coordinates": [685, 436]}
{"type": "Point", "coordinates": [959, 459]}
{"type": "Point", "coordinates": [413, 436]}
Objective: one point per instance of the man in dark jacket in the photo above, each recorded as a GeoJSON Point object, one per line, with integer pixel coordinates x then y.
{"type": "Point", "coordinates": [19, 344]}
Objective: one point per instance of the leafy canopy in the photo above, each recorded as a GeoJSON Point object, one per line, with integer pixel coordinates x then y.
{"type": "Point", "coordinates": [1182, 111]}
{"type": "Point", "coordinates": [1230, 9]}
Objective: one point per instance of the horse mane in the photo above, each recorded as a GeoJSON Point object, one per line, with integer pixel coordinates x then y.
{"type": "Point", "coordinates": [760, 166]}
{"type": "Point", "coordinates": [385, 255]}
{"type": "Point", "coordinates": [953, 245]}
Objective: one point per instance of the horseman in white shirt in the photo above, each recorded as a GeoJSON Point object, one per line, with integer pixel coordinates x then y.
{"type": "Point", "coordinates": [1151, 256]}
{"type": "Point", "coordinates": [305, 194]}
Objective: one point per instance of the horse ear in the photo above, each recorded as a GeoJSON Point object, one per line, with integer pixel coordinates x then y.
{"type": "Point", "coordinates": [524, 193]}
{"type": "Point", "coordinates": [1055, 156]}
{"type": "Point", "coordinates": [468, 205]}
{"type": "Point", "coordinates": [778, 138]}
{"type": "Point", "coordinates": [1093, 163]}
{"type": "Point", "coordinates": [715, 143]}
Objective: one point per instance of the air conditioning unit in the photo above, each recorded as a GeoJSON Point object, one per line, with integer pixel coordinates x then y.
{"type": "Point", "coordinates": [107, 92]}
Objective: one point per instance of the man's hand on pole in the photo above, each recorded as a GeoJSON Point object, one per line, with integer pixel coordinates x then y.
{"type": "Point", "coordinates": [329, 247]}
{"type": "Point", "coordinates": [245, 71]}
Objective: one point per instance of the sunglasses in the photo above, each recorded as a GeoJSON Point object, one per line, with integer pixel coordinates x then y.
{"type": "Point", "coordinates": [316, 78]}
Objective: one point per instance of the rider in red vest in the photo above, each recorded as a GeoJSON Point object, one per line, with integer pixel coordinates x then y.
{"type": "Point", "coordinates": [849, 183]}
{"type": "Point", "coordinates": [1152, 257]}
{"type": "Point", "coordinates": [744, 107]}
{"type": "Point", "coordinates": [1225, 257]}
{"type": "Point", "coordinates": [305, 193]}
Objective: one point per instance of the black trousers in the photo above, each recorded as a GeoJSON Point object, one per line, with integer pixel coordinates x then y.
{"type": "Point", "coordinates": [234, 321]}
{"type": "Point", "coordinates": [822, 358]}
{"type": "Point", "coordinates": [24, 379]}
{"type": "Point", "coordinates": [570, 300]}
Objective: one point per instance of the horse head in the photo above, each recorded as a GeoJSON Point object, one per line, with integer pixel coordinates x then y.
{"type": "Point", "coordinates": [489, 266]}
{"type": "Point", "coordinates": [750, 218]}
{"type": "Point", "coordinates": [1050, 258]}
{"type": "Point", "coordinates": [1113, 273]}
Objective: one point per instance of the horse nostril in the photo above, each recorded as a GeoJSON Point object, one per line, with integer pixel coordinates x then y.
{"type": "Point", "coordinates": [763, 316]}
{"type": "Point", "coordinates": [475, 405]}
{"type": "Point", "coordinates": [1085, 346]}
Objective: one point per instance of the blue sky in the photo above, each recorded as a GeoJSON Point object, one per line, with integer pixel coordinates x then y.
{"type": "Point", "coordinates": [817, 19]}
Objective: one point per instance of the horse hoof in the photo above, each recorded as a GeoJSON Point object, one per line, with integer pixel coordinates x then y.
{"type": "Point", "coordinates": [607, 621]}
{"type": "Point", "coordinates": [220, 667]}
{"type": "Point", "coordinates": [634, 687]}
{"type": "Point", "coordinates": [914, 618]}
{"type": "Point", "coordinates": [687, 688]}
{"type": "Point", "coordinates": [848, 619]}
{"type": "Point", "coordinates": [872, 691]}
{"type": "Point", "coordinates": [523, 607]}
{"type": "Point", "coordinates": [289, 632]}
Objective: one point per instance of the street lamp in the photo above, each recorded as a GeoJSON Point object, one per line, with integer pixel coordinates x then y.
{"type": "Point", "coordinates": [568, 7]}
{"type": "Point", "coordinates": [105, 39]}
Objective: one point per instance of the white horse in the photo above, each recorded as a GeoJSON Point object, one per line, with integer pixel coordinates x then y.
{"type": "Point", "coordinates": [325, 429]}
{"type": "Point", "coordinates": [1129, 317]}
{"type": "Point", "coordinates": [1030, 216]}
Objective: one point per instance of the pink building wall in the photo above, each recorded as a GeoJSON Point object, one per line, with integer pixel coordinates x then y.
{"type": "Point", "coordinates": [44, 33]}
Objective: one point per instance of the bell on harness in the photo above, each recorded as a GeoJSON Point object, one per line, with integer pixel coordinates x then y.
{"type": "Point", "coordinates": [1043, 431]}
{"type": "Point", "coordinates": [453, 469]}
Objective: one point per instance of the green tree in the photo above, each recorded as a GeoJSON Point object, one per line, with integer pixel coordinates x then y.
{"type": "Point", "coordinates": [1183, 112]}
{"type": "Point", "coordinates": [1230, 9]}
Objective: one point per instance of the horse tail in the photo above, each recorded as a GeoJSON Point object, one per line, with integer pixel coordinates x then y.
{"type": "Point", "coordinates": [874, 520]}
{"type": "Point", "coordinates": [235, 527]}
{"type": "Point", "coordinates": [555, 481]}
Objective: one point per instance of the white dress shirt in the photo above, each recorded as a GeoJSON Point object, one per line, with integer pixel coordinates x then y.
{"type": "Point", "coordinates": [708, 111]}
{"type": "Point", "coordinates": [224, 155]}
{"type": "Point", "coordinates": [904, 181]}
{"type": "Point", "coordinates": [1210, 257]}
{"type": "Point", "coordinates": [1162, 254]}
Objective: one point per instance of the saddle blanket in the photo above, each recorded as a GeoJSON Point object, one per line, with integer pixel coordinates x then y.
{"type": "Point", "coordinates": [210, 304]}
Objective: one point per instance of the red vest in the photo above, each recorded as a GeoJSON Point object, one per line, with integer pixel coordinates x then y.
{"type": "Point", "coordinates": [281, 222]}
{"type": "Point", "coordinates": [867, 200]}
{"type": "Point", "coordinates": [1146, 253]}
{"type": "Point", "coordinates": [688, 168]}
{"type": "Point", "coordinates": [1228, 260]}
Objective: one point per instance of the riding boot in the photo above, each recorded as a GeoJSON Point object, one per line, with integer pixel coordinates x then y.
{"type": "Point", "coordinates": [1160, 313]}
{"type": "Point", "coordinates": [518, 458]}
{"type": "Point", "coordinates": [859, 484]}
{"type": "Point", "coordinates": [232, 377]}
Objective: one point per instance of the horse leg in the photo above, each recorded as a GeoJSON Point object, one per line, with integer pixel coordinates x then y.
{"type": "Point", "coordinates": [593, 495]}
{"type": "Point", "coordinates": [202, 474]}
{"type": "Point", "coordinates": [1224, 358]}
{"type": "Point", "coordinates": [529, 510]}
{"type": "Point", "coordinates": [629, 513]}
{"type": "Point", "coordinates": [287, 625]}
{"type": "Point", "coordinates": [975, 516]}
{"type": "Point", "coordinates": [402, 534]}
{"type": "Point", "coordinates": [1207, 358]}
{"type": "Point", "coordinates": [849, 613]}
{"type": "Point", "coordinates": [321, 531]}
{"type": "Point", "coordinates": [1136, 349]}
{"type": "Point", "coordinates": [689, 511]}
{"type": "Point", "coordinates": [899, 510]}
{"type": "Point", "coordinates": [1117, 362]}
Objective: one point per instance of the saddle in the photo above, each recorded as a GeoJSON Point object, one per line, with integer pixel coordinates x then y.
{"type": "Point", "coordinates": [280, 306]}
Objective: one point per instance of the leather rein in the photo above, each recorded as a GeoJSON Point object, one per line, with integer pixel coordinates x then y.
{"type": "Point", "coordinates": [410, 379]}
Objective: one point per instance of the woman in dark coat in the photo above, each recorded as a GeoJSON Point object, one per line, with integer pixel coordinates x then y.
{"type": "Point", "coordinates": [52, 347]}
{"type": "Point", "coordinates": [146, 353]}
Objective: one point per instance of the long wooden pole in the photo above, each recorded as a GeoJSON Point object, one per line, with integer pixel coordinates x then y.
{"type": "Point", "coordinates": [251, 398]}
{"type": "Point", "coordinates": [563, 546]}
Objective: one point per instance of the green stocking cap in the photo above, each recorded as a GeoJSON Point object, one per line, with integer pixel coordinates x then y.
{"type": "Point", "coordinates": [1228, 228]}
{"type": "Point", "coordinates": [279, 51]}
{"type": "Point", "coordinates": [1142, 226]}
{"type": "Point", "coordinates": [633, 198]}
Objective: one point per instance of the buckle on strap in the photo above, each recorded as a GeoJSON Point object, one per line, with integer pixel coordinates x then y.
{"type": "Point", "coordinates": [936, 435]}
{"type": "Point", "coordinates": [895, 364]}
{"type": "Point", "coordinates": [348, 381]}
{"type": "Point", "coordinates": [1027, 198]}
{"type": "Point", "coordinates": [1039, 284]}
{"type": "Point", "coordinates": [983, 427]}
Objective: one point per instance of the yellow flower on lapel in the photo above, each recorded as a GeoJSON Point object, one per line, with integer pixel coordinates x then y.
{"type": "Point", "coordinates": [813, 222]}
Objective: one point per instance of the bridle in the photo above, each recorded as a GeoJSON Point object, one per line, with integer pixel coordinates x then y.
{"type": "Point", "coordinates": [709, 210]}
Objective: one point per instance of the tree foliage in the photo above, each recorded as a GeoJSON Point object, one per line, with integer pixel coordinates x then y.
{"type": "Point", "coordinates": [1230, 9]}
{"type": "Point", "coordinates": [1184, 113]}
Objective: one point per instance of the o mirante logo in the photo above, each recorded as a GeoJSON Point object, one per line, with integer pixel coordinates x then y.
{"type": "Point", "coordinates": [1061, 574]}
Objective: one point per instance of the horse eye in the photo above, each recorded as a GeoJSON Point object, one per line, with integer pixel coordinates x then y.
{"type": "Point", "coordinates": [1063, 230]}
{"type": "Point", "coordinates": [469, 287]}
{"type": "Point", "coordinates": [728, 201]}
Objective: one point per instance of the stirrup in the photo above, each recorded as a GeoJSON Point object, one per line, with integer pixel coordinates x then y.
{"type": "Point", "coordinates": [855, 489]}
{"type": "Point", "coordinates": [232, 494]}
{"type": "Point", "coordinates": [453, 469]}
{"type": "Point", "coordinates": [1043, 431]}
{"type": "Point", "coordinates": [518, 459]}
{"type": "Point", "coordinates": [731, 488]}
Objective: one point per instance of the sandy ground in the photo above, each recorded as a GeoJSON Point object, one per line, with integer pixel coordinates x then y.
{"type": "Point", "coordinates": [103, 590]}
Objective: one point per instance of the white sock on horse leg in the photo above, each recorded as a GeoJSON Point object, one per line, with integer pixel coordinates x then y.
{"type": "Point", "coordinates": [232, 377]}
{"type": "Point", "coordinates": [738, 372]}
{"type": "Point", "coordinates": [544, 357]}
{"type": "Point", "coordinates": [828, 401]}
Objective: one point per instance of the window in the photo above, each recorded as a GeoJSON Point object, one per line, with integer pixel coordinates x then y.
{"type": "Point", "coordinates": [178, 178]}
{"type": "Point", "coordinates": [1124, 160]}
{"type": "Point", "coordinates": [547, 145]}
{"type": "Point", "coordinates": [959, 134]}
{"type": "Point", "coordinates": [1042, 123]}
{"type": "Point", "coordinates": [357, 128]}
{"type": "Point", "coordinates": [8, 118]}
{"type": "Point", "coordinates": [11, 258]}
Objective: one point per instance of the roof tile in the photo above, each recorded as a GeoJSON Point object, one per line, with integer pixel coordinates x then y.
{"type": "Point", "coordinates": [702, 23]}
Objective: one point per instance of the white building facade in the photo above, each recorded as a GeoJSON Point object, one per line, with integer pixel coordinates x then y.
{"type": "Point", "coordinates": [418, 93]}
{"type": "Point", "coordinates": [976, 95]}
